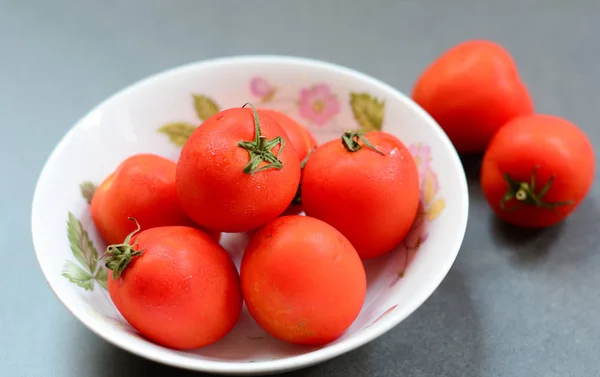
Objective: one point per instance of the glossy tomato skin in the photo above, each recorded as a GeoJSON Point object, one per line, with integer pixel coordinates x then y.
{"type": "Point", "coordinates": [302, 140]}
{"type": "Point", "coordinates": [551, 146]}
{"type": "Point", "coordinates": [143, 187]}
{"type": "Point", "coordinates": [211, 185]}
{"type": "Point", "coordinates": [302, 280]}
{"type": "Point", "coordinates": [472, 90]}
{"type": "Point", "coordinates": [370, 198]}
{"type": "Point", "coordinates": [183, 292]}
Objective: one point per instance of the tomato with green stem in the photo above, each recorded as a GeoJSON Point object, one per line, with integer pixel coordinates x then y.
{"type": "Point", "coordinates": [237, 171]}
{"type": "Point", "coordinates": [365, 185]}
{"type": "Point", "coordinates": [175, 285]}
{"type": "Point", "coordinates": [537, 170]}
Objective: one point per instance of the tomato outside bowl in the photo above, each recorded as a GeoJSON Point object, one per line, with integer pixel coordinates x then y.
{"type": "Point", "coordinates": [153, 116]}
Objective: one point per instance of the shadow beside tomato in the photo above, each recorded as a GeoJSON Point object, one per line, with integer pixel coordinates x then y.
{"type": "Point", "coordinates": [527, 245]}
{"type": "Point", "coordinates": [472, 166]}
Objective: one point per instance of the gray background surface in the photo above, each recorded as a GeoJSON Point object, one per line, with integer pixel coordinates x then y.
{"type": "Point", "coordinates": [514, 304]}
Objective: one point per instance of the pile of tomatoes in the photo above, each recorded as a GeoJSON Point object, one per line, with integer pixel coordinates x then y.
{"type": "Point", "coordinates": [536, 168]}
{"type": "Point", "coordinates": [253, 170]}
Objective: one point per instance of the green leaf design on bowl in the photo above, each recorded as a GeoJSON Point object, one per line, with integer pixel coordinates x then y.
{"type": "Point", "coordinates": [78, 276]}
{"type": "Point", "coordinates": [87, 189]}
{"type": "Point", "coordinates": [368, 111]}
{"type": "Point", "coordinates": [178, 132]}
{"type": "Point", "coordinates": [86, 254]}
{"type": "Point", "coordinates": [205, 106]}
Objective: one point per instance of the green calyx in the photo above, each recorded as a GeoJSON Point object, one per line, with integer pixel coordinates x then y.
{"type": "Point", "coordinates": [260, 149]}
{"type": "Point", "coordinates": [119, 256]}
{"type": "Point", "coordinates": [350, 140]}
{"type": "Point", "coordinates": [525, 193]}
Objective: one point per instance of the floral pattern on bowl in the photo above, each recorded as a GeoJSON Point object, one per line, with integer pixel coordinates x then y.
{"type": "Point", "coordinates": [317, 107]}
{"type": "Point", "coordinates": [431, 205]}
{"type": "Point", "coordinates": [317, 104]}
{"type": "Point", "coordinates": [89, 270]}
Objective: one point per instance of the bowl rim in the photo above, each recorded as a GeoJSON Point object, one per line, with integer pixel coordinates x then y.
{"type": "Point", "coordinates": [293, 362]}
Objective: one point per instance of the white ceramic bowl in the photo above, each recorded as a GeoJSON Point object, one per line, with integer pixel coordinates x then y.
{"type": "Point", "coordinates": [128, 123]}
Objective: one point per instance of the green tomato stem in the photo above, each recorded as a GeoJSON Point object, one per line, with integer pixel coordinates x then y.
{"type": "Point", "coordinates": [350, 140]}
{"type": "Point", "coordinates": [119, 256]}
{"type": "Point", "coordinates": [260, 149]}
{"type": "Point", "coordinates": [525, 194]}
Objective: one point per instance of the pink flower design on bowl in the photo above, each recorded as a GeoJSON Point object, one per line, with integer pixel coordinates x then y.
{"type": "Point", "coordinates": [430, 207]}
{"type": "Point", "coordinates": [261, 87]}
{"type": "Point", "coordinates": [318, 104]}
{"type": "Point", "coordinates": [422, 155]}
{"type": "Point", "coordinates": [433, 204]}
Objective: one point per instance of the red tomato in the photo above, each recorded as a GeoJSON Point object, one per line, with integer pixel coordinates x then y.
{"type": "Point", "coordinates": [370, 194]}
{"type": "Point", "coordinates": [175, 285]}
{"type": "Point", "coordinates": [302, 140]}
{"type": "Point", "coordinates": [537, 170]}
{"type": "Point", "coordinates": [472, 90]}
{"type": "Point", "coordinates": [142, 186]}
{"type": "Point", "coordinates": [302, 280]}
{"type": "Point", "coordinates": [237, 171]}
